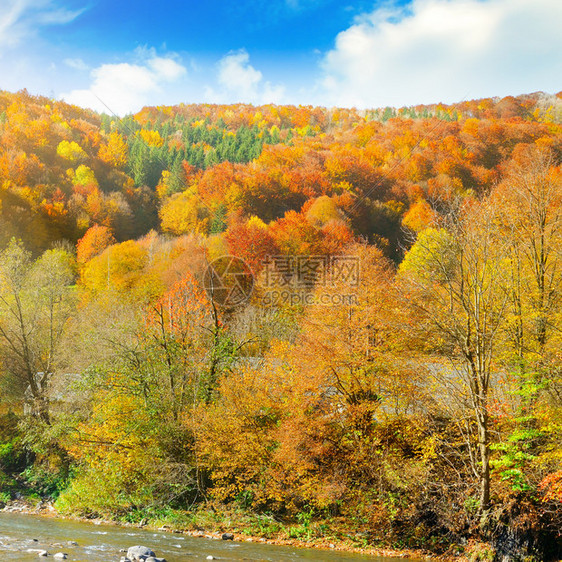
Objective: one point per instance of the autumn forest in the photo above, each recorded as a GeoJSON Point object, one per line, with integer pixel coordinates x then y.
{"type": "Point", "coordinates": [392, 380]}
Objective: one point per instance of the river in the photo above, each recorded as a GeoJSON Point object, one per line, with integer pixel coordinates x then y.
{"type": "Point", "coordinates": [102, 543]}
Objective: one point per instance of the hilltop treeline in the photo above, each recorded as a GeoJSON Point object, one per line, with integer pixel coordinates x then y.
{"type": "Point", "coordinates": [209, 168]}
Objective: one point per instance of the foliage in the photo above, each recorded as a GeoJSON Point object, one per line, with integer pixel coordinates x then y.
{"type": "Point", "coordinates": [36, 302]}
{"type": "Point", "coordinates": [415, 404]}
{"type": "Point", "coordinates": [95, 241]}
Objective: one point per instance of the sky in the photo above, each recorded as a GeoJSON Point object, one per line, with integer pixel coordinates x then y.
{"type": "Point", "coordinates": [116, 56]}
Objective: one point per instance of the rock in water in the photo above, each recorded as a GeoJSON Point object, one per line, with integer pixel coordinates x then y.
{"type": "Point", "coordinates": [139, 553]}
{"type": "Point", "coordinates": [227, 537]}
{"type": "Point", "coordinates": [60, 556]}
{"type": "Point", "coordinates": [39, 551]}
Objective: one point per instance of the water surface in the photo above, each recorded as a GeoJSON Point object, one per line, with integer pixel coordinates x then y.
{"type": "Point", "coordinates": [102, 543]}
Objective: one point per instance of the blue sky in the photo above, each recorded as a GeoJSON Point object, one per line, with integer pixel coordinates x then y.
{"type": "Point", "coordinates": [122, 55]}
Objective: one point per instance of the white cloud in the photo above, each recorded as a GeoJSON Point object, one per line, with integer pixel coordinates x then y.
{"type": "Point", "coordinates": [76, 64]}
{"type": "Point", "coordinates": [236, 74]}
{"type": "Point", "coordinates": [166, 68]}
{"type": "Point", "coordinates": [20, 19]}
{"type": "Point", "coordinates": [239, 81]}
{"type": "Point", "coordinates": [125, 87]}
{"type": "Point", "coordinates": [445, 50]}
{"type": "Point", "coordinates": [149, 79]}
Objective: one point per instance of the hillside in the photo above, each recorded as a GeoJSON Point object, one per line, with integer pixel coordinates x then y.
{"type": "Point", "coordinates": [382, 369]}
{"type": "Point", "coordinates": [209, 168]}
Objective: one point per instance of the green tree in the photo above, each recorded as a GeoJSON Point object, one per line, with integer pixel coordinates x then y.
{"type": "Point", "coordinates": [36, 302]}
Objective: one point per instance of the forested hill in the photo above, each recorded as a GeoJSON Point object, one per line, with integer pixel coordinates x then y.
{"type": "Point", "coordinates": [390, 371]}
{"type": "Point", "coordinates": [213, 168]}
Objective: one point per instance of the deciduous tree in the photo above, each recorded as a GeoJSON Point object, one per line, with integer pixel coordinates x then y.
{"type": "Point", "coordinates": [36, 303]}
{"type": "Point", "coordinates": [461, 289]}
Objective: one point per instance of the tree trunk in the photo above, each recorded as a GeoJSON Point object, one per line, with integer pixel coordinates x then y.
{"type": "Point", "coordinates": [484, 453]}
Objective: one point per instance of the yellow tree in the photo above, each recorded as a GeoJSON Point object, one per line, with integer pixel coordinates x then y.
{"type": "Point", "coordinates": [71, 151]}
{"type": "Point", "coordinates": [36, 302]}
{"type": "Point", "coordinates": [183, 213]}
{"type": "Point", "coordinates": [457, 282]}
{"type": "Point", "coordinates": [164, 365]}
{"type": "Point", "coordinates": [115, 152]}
{"type": "Point", "coordinates": [529, 210]}
{"type": "Point", "coordinates": [529, 203]}
{"type": "Point", "coordinates": [120, 266]}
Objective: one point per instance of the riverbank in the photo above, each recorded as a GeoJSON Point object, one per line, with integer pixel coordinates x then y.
{"type": "Point", "coordinates": [216, 522]}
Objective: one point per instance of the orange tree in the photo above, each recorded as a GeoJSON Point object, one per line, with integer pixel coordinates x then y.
{"type": "Point", "coordinates": [322, 423]}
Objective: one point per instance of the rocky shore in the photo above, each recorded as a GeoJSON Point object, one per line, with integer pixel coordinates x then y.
{"type": "Point", "coordinates": [46, 509]}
